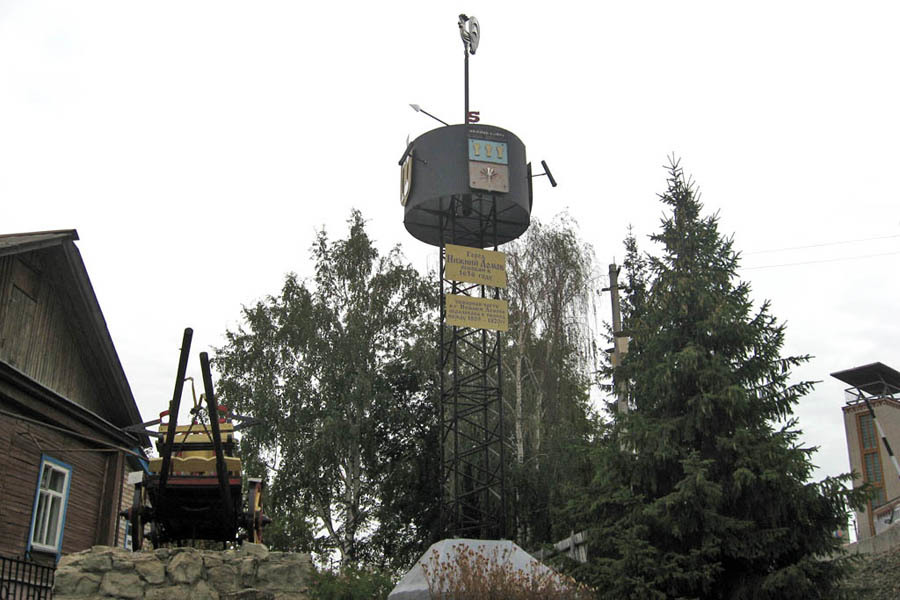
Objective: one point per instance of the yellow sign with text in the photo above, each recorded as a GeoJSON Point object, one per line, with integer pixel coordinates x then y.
{"type": "Point", "coordinates": [475, 265]}
{"type": "Point", "coordinates": [478, 313]}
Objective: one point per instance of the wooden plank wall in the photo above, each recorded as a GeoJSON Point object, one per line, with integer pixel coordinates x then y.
{"type": "Point", "coordinates": [37, 331]}
{"type": "Point", "coordinates": [21, 446]}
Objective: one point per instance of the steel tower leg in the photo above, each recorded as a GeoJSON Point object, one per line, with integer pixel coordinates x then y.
{"type": "Point", "coordinates": [471, 406]}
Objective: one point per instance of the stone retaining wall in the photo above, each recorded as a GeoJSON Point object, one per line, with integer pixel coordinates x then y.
{"type": "Point", "coordinates": [249, 573]}
{"type": "Point", "coordinates": [884, 541]}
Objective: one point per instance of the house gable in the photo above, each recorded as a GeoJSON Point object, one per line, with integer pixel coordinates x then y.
{"type": "Point", "coordinates": [39, 335]}
{"type": "Point", "coordinates": [52, 329]}
{"type": "Point", "coordinates": [64, 400]}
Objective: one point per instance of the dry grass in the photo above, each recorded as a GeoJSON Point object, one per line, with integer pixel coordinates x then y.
{"type": "Point", "coordinates": [874, 577]}
{"type": "Point", "coordinates": [470, 574]}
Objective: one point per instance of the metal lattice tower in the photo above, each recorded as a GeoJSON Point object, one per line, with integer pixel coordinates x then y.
{"type": "Point", "coordinates": [469, 185]}
{"type": "Point", "coordinates": [472, 438]}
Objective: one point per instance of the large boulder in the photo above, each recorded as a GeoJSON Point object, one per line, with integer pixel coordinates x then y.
{"type": "Point", "coordinates": [447, 553]}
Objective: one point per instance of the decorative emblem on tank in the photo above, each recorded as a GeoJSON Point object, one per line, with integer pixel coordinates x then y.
{"type": "Point", "coordinates": [406, 178]}
{"type": "Point", "coordinates": [488, 164]}
{"type": "Point", "coordinates": [488, 151]}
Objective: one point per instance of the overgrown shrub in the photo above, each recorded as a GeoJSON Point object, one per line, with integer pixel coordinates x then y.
{"type": "Point", "coordinates": [350, 584]}
{"type": "Point", "coordinates": [470, 574]}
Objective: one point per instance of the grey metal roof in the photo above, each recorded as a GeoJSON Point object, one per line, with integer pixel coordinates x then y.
{"type": "Point", "coordinates": [16, 243]}
{"type": "Point", "coordinates": [874, 379]}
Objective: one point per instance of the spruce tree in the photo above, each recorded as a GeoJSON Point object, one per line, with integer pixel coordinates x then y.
{"type": "Point", "coordinates": [702, 489]}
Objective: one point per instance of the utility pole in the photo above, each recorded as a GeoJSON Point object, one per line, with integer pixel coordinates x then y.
{"type": "Point", "coordinates": [620, 341]}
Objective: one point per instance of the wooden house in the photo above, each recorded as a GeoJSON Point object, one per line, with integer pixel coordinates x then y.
{"type": "Point", "coordinates": [64, 401]}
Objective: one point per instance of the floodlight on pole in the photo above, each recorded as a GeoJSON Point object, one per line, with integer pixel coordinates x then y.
{"type": "Point", "coordinates": [418, 108]}
{"type": "Point", "coordinates": [547, 173]}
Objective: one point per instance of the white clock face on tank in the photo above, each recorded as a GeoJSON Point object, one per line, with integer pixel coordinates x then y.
{"type": "Point", "coordinates": [489, 177]}
{"type": "Point", "coordinates": [488, 165]}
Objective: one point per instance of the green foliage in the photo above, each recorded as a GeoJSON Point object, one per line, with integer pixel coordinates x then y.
{"type": "Point", "coordinates": [340, 370]}
{"type": "Point", "coordinates": [350, 584]}
{"type": "Point", "coordinates": [702, 490]}
{"type": "Point", "coordinates": [549, 362]}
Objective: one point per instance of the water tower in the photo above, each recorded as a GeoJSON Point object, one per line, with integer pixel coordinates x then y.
{"type": "Point", "coordinates": [466, 189]}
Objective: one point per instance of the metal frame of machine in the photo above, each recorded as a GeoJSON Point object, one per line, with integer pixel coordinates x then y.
{"type": "Point", "coordinates": [193, 490]}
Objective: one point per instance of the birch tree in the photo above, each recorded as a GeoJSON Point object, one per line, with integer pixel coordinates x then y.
{"type": "Point", "coordinates": [552, 287]}
{"type": "Point", "coordinates": [334, 368]}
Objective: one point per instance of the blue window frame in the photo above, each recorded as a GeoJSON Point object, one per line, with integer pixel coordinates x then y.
{"type": "Point", "coordinates": [126, 538]}
{"type": "Point", "coordinates": [51, 498]}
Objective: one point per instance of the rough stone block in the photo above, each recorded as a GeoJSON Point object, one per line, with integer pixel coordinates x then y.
{"type": "Point", "coordinates": [250, 594]}
{"type": "Point", "coordinates": [257, 550]}
{"type": "Point", "coordinates": [281, 577]}
{"type": "Point", "coordinates": [122, 561]}
{"type": "Point", "coordinates": [211, 560]}
{"type": "Point", "coordinates": [290, 596]}
{"type": "Point", "coordinates": [223, 579]}
{"type": "Point", "coordinates": [122, 585]}
{"type": "Point", "coordinates": [183, 574]}
{"type": "Point", "coordinates": [169, 592]}
{"type": "Point", "coordinates": [162, 554]}
{"type": "Point", "coordinates": [248, 571]}
{"type": "Point", "coordinates": [202, 591]}
{"type": "Point", "coordinates": [186, 567]}
{"type": "Point", "coordinates": [72, 581]}
{"type": "Point", "coordinates": [299, 558]}
{"type": "Point", "coordinates": [72, 559]}
{"type": "Point", "coordinates": [97, 562]}
{"type": "Point", "coordinates": [151, 570]}
{"type": "Point", "coordinates": [229, 554]}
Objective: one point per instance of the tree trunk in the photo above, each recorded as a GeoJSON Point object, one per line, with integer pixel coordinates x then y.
{"type": "Point", "coordinates": [520, 410]}
{"type": "Point", "coordinates": [538, 427]}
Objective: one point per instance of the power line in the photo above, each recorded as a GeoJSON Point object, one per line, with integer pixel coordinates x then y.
{"type": "Point", "coordinates": [823, 244]}
{"type": "Point", "coordinates": [813, 262]}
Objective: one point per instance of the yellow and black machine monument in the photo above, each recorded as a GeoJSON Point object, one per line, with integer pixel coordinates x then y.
{"type": "Point", "coordinates": [192, 491]}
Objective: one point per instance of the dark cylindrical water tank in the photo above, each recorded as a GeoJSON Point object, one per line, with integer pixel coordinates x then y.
{"type": "Point", "coordinates": [455, 176]}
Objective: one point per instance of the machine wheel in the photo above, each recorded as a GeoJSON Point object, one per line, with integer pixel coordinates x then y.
{"type": "Point", "coordinates": [137, 523]}
{"type": "Point", "coordinates": [154, 536]}
{"type": "Point", "coordinates": [255, 517]}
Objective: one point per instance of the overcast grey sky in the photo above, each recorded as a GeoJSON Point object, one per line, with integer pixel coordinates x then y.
{"type": "Point", "coordinates": [198, 146]}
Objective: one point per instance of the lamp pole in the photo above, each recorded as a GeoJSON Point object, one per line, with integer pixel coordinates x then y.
{"type": "Point", "coordinates": [466, 86]}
